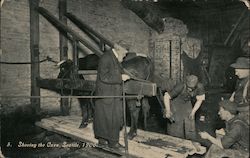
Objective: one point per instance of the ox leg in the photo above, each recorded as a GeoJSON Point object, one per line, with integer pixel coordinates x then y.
{"type": "Point", "coordinates": [134, 114]}
{"type": "Point", "coordinates": [84, 109]}
{"type": "Point", "coordinates": [90, 112]}
{"type": "Point", "coordinates": [145, 111]}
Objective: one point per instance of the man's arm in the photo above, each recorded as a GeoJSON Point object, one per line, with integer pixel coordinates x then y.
{"type": "Point", "coordinates": [200, 97]}
{"type": "Point", "coordinates": [232, 97]}
{"type": "Point", "coordinates": [166, 100]}
{"type": "Point", "coordinates": [172, 93]}
{"type": "Point", "coordinates": [232, 136]}
{"type": "Point", "coordinates": [197, 105]}
{"type": "Point", "coordinates": [228, 140]}
{"type": "Point", "coordinates": [205, 135]}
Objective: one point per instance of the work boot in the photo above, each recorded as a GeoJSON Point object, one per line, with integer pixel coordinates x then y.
{"type": "Point", "coordinates": [131, 135]}
{"type": "Point", "coordinates": [102, 142]}
{"type": "Point", "coordinates": [116, 146]}
{"type": "Point", "coordinates": [83, 125]}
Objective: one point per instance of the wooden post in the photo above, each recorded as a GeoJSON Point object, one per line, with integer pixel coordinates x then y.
{"type": "Point", "coordinates": [75, 56]}
{"type": "Point", "coordinates": [63, 42]}
{"type": "Point", "coordinates": [180, 60]}
{"type": "Point", "coordinates": [170, 59]}
{"type": "Point", "coordinates": [102, 46]}
{"type": "Point", "coordinates": [34, 50]}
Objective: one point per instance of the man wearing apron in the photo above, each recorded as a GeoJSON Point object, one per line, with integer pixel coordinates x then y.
{"type": "Point", "coordinates": [178, 106]}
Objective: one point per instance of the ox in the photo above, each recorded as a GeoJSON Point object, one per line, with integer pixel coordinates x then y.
{"type": "Point", "coordinates": [66, 71]}
{"type": "Point", "coordinates": [139, 67]}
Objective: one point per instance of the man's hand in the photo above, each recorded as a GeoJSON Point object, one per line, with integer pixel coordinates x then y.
{"type": "Point", "coordinates": [191, 116]}
{"type": "Point", "coordinates": [232, 97]}
{"type": "Point", "coordinates": [125, 77]}
{"type": "Point", "coordinates": [204, 135]}
{"type": "Point", "coordinates": [139, 97]}
{"type": "Point", "coordinates": [167, 114]}
{"type": "Point", "coordinates": [220, 133]}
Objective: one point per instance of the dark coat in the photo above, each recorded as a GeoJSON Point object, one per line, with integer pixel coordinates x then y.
{"type": "Point", "coordinates": [108, 112]}
{"type": "Point", "coordinates": [239, 90]}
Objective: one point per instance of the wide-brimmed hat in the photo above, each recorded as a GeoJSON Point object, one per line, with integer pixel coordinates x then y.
{"type": "Point", "coordinates": [191, 81]}
{"type": "Point", "coordinates": [229, 106]}
{"type": "Point", "coordinates": [241, 63]}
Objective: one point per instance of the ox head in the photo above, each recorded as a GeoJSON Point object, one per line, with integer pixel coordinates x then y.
{"type": "Point", "coordinates": [66, 67]}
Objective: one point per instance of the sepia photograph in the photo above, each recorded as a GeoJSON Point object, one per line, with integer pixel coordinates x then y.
{"type": "Point", "coordinates": [124, 78]}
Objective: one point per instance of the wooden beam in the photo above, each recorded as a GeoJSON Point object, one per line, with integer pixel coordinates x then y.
{"type": "Point", "coordinates": [75, 57]}
{"type": "Point", "coordinates": [170, 59]}
{"type": "Point", "coordinates": [80, 47]}
{"type": "Point", "coordinates": [243, 14]}
{"type": "Point", "coordinates": [84, 27]}
{"type": "Point", "coordinates": [63, 28]}
{"type": "Point", "coordinates": [78, 23]}
{"type": "Point", "coordinates": [34, 50]}
{"type": "Point", "coordinates": [131, 86]}
{"type": "Point", "coordinates": [66, 84]}
{"type": "Point", "coordinates": [140, 88]}
{"type": "Point", "coordinates": [63, 42]}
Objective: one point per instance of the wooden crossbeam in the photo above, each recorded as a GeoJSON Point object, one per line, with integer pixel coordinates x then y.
{"type": "Point", "coordinates": [84, 27]}
{"type": "Point", "coordinates": [131, 87]}
{"type": "Point", "coordinates": [64, 28]}
{"type": "Point", "coordinates": [66, 84]}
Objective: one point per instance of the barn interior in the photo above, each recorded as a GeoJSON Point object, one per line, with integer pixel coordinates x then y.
{"type": "Point", "coordinates": [181, 37]}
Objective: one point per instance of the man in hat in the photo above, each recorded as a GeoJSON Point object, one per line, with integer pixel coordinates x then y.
{"type": "Point", "coordinates": [181, 96]}
{"type": "Point", "coordinates": [235, 142]}
{"type": "Point", "coordinates": [241, 95]}
{"type": "Point", "coordinates": [108, 112]}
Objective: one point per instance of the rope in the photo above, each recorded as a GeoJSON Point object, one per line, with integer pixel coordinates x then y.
{"type": "Point", "coordinates": [34, 62]}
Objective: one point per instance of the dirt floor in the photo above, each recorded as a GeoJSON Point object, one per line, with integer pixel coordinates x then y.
{"type": "Point", "coordinates": [19, 128]}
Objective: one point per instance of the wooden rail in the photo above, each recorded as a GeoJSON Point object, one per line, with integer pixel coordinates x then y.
{"type": "Point", "coordinates": [65, 29]}
{"type": "Point", "coordinates": [84, 27]}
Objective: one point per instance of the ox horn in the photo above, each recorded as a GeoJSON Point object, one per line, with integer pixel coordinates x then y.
{"type": "Point", "coordinates": [60, 63]}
